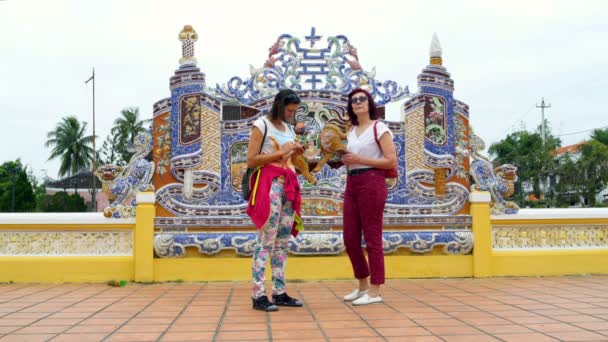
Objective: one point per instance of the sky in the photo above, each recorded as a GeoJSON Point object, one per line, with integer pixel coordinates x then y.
{"type": "Point", "coordinates": [504, 57]}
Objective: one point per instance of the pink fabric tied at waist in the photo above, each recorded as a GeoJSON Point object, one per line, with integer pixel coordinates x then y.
{"type": "Point", "coordinates": [261, 211]}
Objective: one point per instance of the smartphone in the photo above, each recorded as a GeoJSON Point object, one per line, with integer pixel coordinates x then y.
{"type": "Point", "coordinates": [341, 153]}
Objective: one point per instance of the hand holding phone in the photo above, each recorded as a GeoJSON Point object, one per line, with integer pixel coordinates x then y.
{"type": "Point", "coordinates": [341, 153]}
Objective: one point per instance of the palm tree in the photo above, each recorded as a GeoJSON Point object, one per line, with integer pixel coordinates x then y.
{"type": "Point", "coordinates": [126, 128]}
{"type": "Point", "coordinates": [71, 145]}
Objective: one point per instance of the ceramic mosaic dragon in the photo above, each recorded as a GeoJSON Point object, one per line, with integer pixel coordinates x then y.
{"type": "Point", "coordinates": [499, 181]}
{"type": "Point", "coordinates": [121, 183]}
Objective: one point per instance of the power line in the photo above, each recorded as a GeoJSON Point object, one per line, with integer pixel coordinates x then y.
{"type": "Point", "coordinates": [526, 114]}
{"type": "Point", "coordinates": [578, 132]}
{"type": "Point", "coordinates": [521, 118]}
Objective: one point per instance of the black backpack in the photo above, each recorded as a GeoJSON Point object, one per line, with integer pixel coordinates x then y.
{"type": "Point", "coordinates": [246, 181]}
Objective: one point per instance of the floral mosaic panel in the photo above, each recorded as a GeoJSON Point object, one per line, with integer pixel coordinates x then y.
{"type": "Point", "coordinates": [66, 243]}
{"type": "Point", "coordinates": [553, 236]}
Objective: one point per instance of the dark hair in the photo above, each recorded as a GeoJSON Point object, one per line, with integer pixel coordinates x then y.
{"type": "Point", "coordinates": [284, 97]}
{"type": "Point", "coordinates": [373, 112]}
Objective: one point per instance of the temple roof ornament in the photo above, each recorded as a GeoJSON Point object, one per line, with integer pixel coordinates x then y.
{"type": "Point", "coordinates": [435, 50]}
{"type": "Point", "coordinates": [188, 36]}
{"type": "Point", "coordinates": [335, 67]}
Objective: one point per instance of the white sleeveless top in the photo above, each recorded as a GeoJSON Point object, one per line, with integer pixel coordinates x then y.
{"type": "Point", "coordinates": [275, 139]}
{"type": "Point", "coordinates": [365, 144]}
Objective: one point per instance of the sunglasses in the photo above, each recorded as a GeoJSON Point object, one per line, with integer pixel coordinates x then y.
{"type": "Point", "coordinates": [358, 99]}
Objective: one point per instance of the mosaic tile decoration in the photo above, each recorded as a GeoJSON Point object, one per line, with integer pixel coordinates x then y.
{"type": "Point", "coordinates": [415, 138]}
{"type": "Point", "coordinates": [408, 197]}
{"type": "Point", "coordinates": [161, 107]}
{"type": "Point", "coordinates": [178, 151]}
{"type": "Point", "coordinates": [451, 242]}
{"type": "Point", "coordinates": [231, 217]}
{"type": "Point", "coordinates": [290, 64]}
{"type": "Point", "coordinates": [498, 181]}
{"type": "Point", "coordinates": [322, 76]}
{"type": "Point", "coordinates": [121, 184]}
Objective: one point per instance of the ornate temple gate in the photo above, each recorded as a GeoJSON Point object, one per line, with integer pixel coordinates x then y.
{"type": "Point", "coordinates": [199, 165]}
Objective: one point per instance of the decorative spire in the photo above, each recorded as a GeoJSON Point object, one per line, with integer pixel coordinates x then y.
{"type": "Point", "coordinates": [188, 36]}
{"type": "Point", "coordinates": [435, 50]}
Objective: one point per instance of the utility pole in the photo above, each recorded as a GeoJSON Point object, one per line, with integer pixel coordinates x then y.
{"type": "Point", "coordinates": [93, 200]}
{"type": "Point", "coordinates": [13, 172]}
{"type": "Point", "coordinates": [542, 123]}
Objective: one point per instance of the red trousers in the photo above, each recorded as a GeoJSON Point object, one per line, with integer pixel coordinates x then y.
{"type": "Point", "coordinates": [364, 201]}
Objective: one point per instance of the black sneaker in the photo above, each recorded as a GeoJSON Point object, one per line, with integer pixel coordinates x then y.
{"type": "Point", "coordinates": [285, 300]}
{"type": "Point", "coordinates": [263, 304]}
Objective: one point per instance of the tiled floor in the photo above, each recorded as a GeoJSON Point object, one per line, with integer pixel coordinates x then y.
{"type": "Point", "coordinates": [498, 309]}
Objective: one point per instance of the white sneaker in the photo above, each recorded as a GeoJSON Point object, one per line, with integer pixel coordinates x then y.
{"type": "Point", "coordinates": [356, 294]}
{"type": "Point", "coordinates": [366, 299]}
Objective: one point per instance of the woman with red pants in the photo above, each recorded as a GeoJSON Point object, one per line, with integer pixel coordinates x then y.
{"type": "Point", "coordinates": [370, 152]}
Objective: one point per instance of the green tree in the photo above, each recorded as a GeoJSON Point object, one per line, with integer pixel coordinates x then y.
{"type": "Point", "coordinates": [110, 152]}
{"type": "Point", "coordinates": [587, 174]}
{"type": "Point", "coordinates": [14, 183]}
{"type": "Point", "coordinates": [125, 129]}
{"type": "Point", "coordinates": [533, 159]}
{"type": "Point", "coordinates": [600, 135]}
{"type": "Point", "coordinates": [38, 187]}
{"type": "Point", "coordinates": [71, 145]}
{"type": "Point", "coordinates": [593, 165]}
{"type": "Point", "coordinates": [568, 188]}
{"type": "Point", "coordinates": [62, 202]}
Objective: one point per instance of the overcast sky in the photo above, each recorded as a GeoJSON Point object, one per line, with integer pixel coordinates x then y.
{"type": "Point", "coordinates": [503, 56]}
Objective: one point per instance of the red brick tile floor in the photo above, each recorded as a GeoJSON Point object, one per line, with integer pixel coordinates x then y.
{"type": "Point", "coordinates": [495, 309]}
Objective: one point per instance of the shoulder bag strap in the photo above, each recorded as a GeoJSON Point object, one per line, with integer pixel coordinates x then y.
{"type": "Point", "coordinates": [376, 136]}
{"type": "Point", "coordinates": [264, 138]}
{"type": "Point", "coordinates": [259, 168]}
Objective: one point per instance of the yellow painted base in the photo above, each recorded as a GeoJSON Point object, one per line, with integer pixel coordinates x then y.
{"type": "Point", "coordinates": [549, 263]}
{"type": "Point", "coordinates": [65, 269]}
{"type": "Point", "coordinates": [226, 266]}
{"type": "Point", "coordinates": [310, 268]}
{"type": "Point", "coordinates": [231, 268]}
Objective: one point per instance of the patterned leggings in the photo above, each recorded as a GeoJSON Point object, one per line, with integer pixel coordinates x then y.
{"type": "Point", "coordinates": [273, 241]}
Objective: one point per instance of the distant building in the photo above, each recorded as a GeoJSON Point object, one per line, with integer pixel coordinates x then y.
{"type": "Point", "coordinates": [81, 183]}
{"type": "Point", "coordinates": [574, 152]}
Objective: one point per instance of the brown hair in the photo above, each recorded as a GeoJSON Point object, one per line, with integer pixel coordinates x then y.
{"type": "Point", "coordinates": [281, 100]}
{"type": "Point", "coordinates": [373, 112]}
